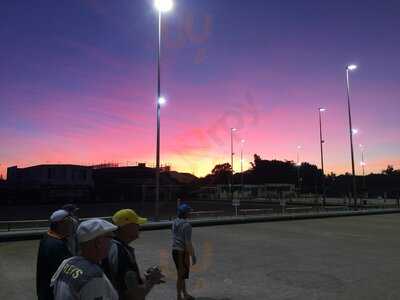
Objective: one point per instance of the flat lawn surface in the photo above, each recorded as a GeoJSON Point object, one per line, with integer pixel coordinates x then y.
{"type": "Point", "coordinates": [336, 258]}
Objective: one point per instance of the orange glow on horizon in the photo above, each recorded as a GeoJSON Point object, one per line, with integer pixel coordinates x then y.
{"type": "Point", "coordinates": [192, 163]}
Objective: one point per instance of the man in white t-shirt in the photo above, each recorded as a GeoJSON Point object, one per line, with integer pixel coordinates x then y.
{"type": "Point", "coordinates": [182, 250]}
{"type": "Point", "coordinates": [80, 277]}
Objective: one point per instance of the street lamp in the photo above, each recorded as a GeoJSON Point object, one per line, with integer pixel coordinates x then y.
{"type": "Point", "coordinates": [351, 132]}
{"type": "Point", "coordinates": [162, 6]}
{"type": "Point", "coordinates": [162, 101]}
{"type": "Point", "coordinates": [352, 67]}
{"type": "Point", "coordinates": [322, 141]}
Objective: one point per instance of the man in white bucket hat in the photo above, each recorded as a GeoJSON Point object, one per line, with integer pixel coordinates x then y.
{"type": "Point", "coordinates": [81, 277]}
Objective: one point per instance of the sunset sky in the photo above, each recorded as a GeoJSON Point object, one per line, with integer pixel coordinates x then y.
{"type": "Point", "coordinates": [78, 81]}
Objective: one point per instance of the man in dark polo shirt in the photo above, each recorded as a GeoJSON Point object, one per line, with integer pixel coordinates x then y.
{"type": "Point", "coordinates": [182, 250]}
{"type": "Point", "coordinates": [52, 251]}
{"type": "Point", "coordinates": [121, 266]}
{"type": "Point", "coordinates": [72, 240]}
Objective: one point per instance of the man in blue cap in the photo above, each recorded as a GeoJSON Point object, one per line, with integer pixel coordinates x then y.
{"type": "Point", "coordinates": [182, 250]}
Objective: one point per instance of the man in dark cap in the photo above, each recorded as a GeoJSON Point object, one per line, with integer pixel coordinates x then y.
{"type": "Point", "coordinates": [72, 240]}
{"type": "Point", "coordinates": [52, 251]}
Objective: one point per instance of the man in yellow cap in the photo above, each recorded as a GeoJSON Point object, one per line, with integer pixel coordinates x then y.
{"type": "Point", "coordinates": [121, 266]}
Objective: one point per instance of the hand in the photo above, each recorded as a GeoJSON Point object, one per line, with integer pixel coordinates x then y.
{"type": "Point", "coordinates": [194, 259]}
{"type": "Point", "coordinates": [154, 275]}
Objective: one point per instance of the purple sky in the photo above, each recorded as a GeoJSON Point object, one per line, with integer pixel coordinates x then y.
{"type": "Point", "coordinates": [78, 78]}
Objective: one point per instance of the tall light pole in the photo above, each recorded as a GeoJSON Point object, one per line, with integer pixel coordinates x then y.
{"type": "Point", "coordinates": [322, 141]}
{"type": "Point", "coordinates": [298, 167]}
{"type": "Point", "coordinates": [363, 165]}
{"type": "Point", "coordinates": [241, 161]}
{"type": "Point", "coordinates": [162, 6]}
{"type": "Point", "coordinates": [362, 159]}
{"type": "Point", "coordinates": [232, 153]}
{"type": "Point", "coordinates": [348, 69]}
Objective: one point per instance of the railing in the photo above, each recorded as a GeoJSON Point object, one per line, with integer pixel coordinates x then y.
{"type": "Point", "coordinates": [31, 224]}
{"type": "Point", "coordinates": [43, 224]}
{"type": "Point", "coordinates": [297, 209]}
{"type": "Point", "coordinates": [256, 211]}
{"type": "Point", "coordinates": [207, 213]}
{"type": "Point", "coordinates": [22, 225]}
{"type": "Point", "coordinates": [341, 207]}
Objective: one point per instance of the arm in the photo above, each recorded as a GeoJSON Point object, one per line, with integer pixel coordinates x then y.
{"type": "Point", "coordinates": [188, 243]}
{"type": "Point", "coordinates": [136, 291]}
{"type": "Point", "coordinates": [189, 247]}
{"type": "Point", "coordinates": [125, 279]}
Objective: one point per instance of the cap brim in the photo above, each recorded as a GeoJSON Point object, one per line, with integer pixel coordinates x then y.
{"type": "Point", "coordinates": [110, 230]}
{"type": "Point", "coordinates": [141, 221]}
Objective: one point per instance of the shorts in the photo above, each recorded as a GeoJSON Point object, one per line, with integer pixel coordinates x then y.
{"type": "Point", "coordinates": [182, 263]}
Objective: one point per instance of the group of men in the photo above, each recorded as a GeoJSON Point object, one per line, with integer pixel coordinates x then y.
{"type": "Point", "coordinates": [93, 259]}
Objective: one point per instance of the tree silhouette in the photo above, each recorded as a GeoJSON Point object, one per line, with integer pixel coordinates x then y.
{"type": "Point", "coordinates": [220, 174]}
{"type": "Point", "coordinates": [390, 171]}
{"type": "Point", "coordinates": [222, 169]}
{"type": "Point", "coordinates": [264, 171]}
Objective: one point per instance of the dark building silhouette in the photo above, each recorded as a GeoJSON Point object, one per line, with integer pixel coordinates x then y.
{"type": "Point", "coordinates": [50, 184]}
{"type": "Point", "coordinates": [135, 184]}
{"type": "Point", "coordinates": [4, 192]}
{"type": "Point", "coordinates": [58, 184]}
